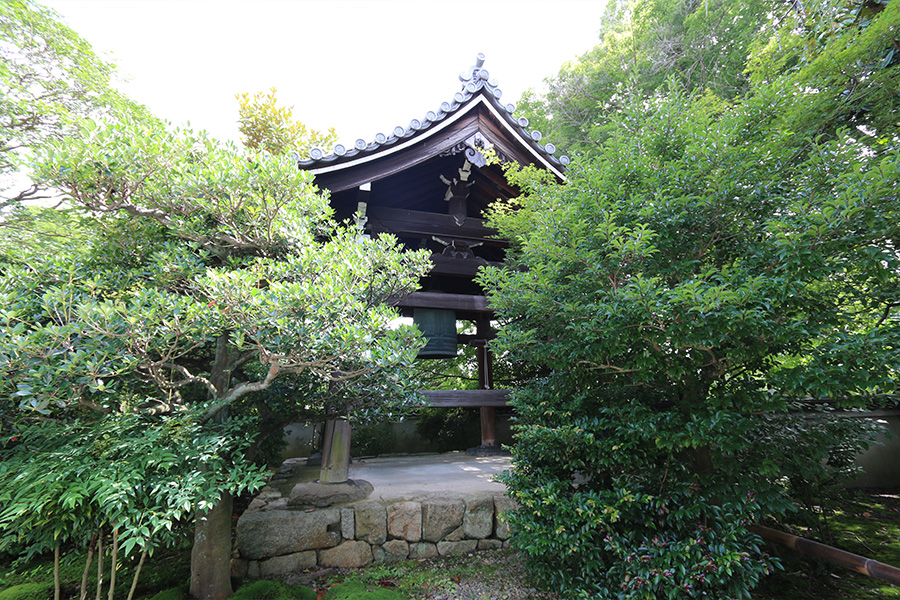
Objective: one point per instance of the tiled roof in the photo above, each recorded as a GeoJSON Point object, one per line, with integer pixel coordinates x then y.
{"type": "Point", "coordinates": [475, 81]}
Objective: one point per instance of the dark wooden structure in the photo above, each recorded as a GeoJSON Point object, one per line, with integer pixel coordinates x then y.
{"type": "Point", "coordinates": [428, 183]}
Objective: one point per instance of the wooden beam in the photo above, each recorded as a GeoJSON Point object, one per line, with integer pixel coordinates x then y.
{"type": "Point", "coordinates": [462, 267]}
{"type": "Point", "coordinates": [415, 223]}
{"type": "Point", "coordinates": [461, 302]}
{"type": "Point", "coordinates": [499, 180]}
{"type": "Point", "coordinates": [466, 398]}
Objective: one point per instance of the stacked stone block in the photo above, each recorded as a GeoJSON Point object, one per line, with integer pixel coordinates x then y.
{"type": "Point", "coordinates": [273, 540]}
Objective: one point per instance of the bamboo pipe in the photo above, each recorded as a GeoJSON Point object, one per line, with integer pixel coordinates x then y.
{"type": "Point", "coordinates": [860, 564]}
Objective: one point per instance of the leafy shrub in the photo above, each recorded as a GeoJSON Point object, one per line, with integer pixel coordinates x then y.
{"type": "Point", "coordinates": [65, 481]}
{"type": "Point", "coordinates": [821, 460]}
{"type": "Point", "coordinates": [449, 428]}
{"type": "Point", "coordinates": [373, 439]}
{"type": "Point", "coordinates": [607, 504]}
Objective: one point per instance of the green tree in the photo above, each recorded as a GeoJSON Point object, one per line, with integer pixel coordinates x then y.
{"type": "Point", "coordinates": [51, 79]}
{"type": "Point", "coordinates": [212, 275]}
{"type": "Point", "coordinates": [124, 480]}
{"type": "Point", "coordinates": [267, 126]}
{"type": "Point", "coordinates": [709, 262]}
{"type": "Point", "coordinates": [704, 45]}
{"type": "Point", "coordinates": [40, 230]}
{"type": "Point", "coordinates": [723, 48]}
{"type": "Point", "coordinates": [842, 61]}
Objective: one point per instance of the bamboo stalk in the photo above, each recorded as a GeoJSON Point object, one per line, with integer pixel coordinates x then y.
{"type": "Point", "coordinates": [99, 564]}
{"type": "Point", "coordinates": [56, 573]}
{"type": "Point", "coordinates": [87, 565]}
{"type": "Point", "coordinates": [860, 564]}
{"type": "Point", "coordinates": [137, 574]}
{"type": "Point", "coordinates": [115, 564]}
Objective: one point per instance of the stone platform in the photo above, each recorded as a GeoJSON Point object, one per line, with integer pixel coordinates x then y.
{"type": "Point", "coordinates": [421, 506]}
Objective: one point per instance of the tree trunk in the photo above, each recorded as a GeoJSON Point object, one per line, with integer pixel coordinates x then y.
{"type": "Point", "coordinates": [701, 460]}
{"type": "Point", "coordinates": [211, 554]}
{"type": "Point", "coordinates": [335, 452]}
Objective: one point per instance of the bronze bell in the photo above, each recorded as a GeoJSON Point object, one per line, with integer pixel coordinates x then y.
{"type": "Point", "coordinates": [438, 326]}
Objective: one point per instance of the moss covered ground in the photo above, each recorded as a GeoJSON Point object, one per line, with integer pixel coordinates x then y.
{"type": "Point", "coordinates": [414, 579]}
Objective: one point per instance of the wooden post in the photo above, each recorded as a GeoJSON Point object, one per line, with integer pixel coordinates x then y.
{"type": "Point", "coordinates": [485, 382]}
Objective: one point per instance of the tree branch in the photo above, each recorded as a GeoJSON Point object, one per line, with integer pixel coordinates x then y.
{"type": "Point", "coordinates": [244, 389]}
{"type": "Point", "coordinates": [594, 367]}
{"type": "Point", "coordinates": [164, 383]}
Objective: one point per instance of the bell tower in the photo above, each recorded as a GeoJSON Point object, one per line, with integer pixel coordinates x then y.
{"type": "Point", "coordinates": [430, 183]}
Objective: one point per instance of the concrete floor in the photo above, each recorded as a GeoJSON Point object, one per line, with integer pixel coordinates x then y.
{"type": "Point", "coordinates": [417, 477]}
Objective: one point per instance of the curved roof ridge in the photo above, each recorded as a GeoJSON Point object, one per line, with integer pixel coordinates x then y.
{"type": "Point", "coordinates": [475, 80]}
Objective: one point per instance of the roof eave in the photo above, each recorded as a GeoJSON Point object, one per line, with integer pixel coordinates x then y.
{"type": "Point", "coordinates": [477, 90]}
{"type": "Point", "coordinates": [471, 105]}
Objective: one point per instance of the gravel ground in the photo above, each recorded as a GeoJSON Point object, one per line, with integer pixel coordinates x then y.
{"type": "Point", "coordinates": [510, 582]}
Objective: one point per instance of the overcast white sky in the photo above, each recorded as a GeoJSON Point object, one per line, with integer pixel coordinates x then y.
{"type": "Point", "coordinates": [360, 66]}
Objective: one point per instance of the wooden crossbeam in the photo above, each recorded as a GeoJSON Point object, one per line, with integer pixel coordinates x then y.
{"type": "Point", "coordinates": [413, 223]}
{"type": "Point", "coordinates": [460, 302]}
{"type": "Point", "coordinates": [444, 265]}
{"type": "Point", "coordinates": [467, 398]}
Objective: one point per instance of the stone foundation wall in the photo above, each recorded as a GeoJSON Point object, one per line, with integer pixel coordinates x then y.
{"type": "Point", "coordinates": [274, 540]}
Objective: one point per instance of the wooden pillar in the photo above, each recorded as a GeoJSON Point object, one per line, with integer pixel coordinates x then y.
{"type": "Point", "coordinates": [486, 382]}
